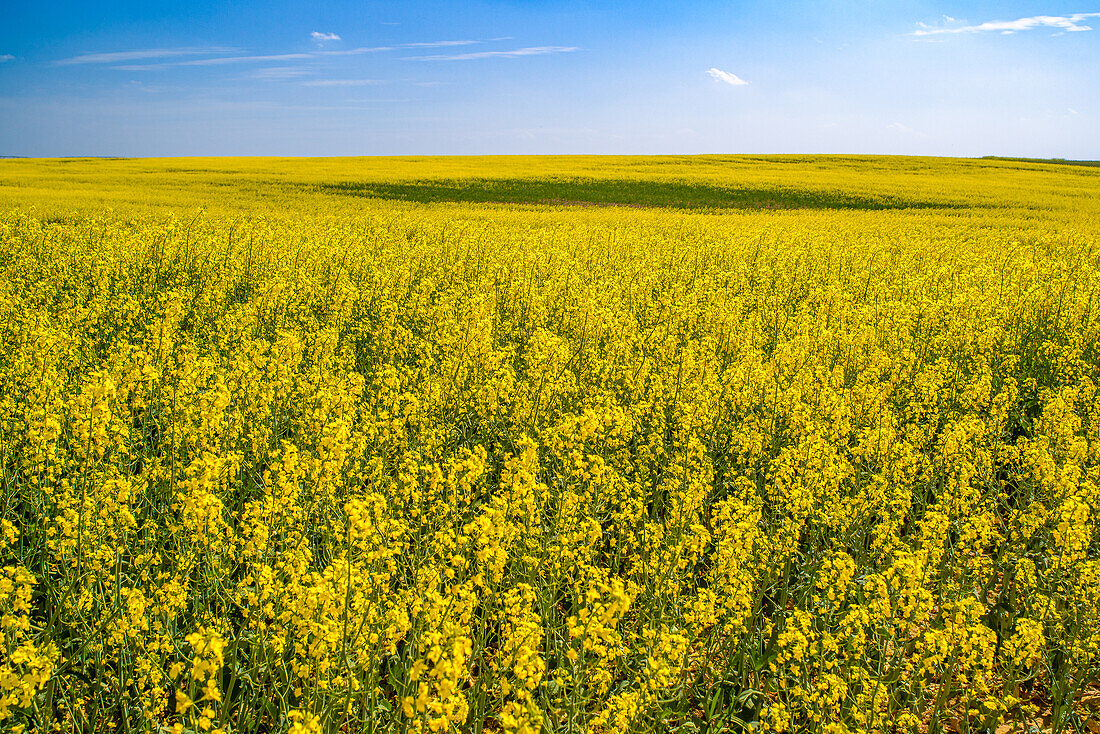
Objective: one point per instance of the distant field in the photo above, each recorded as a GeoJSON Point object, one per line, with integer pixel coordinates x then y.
{"type": "Point", "coordinates": [681, 182]}
{"type": "Point", "coordinates": [1054, 161]}
{"type": "Point", "coordinates": [557, 444]}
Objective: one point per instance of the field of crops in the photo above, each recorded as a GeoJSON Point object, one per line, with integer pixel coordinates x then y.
{"type": "Point", "coordinates": [783, 444]}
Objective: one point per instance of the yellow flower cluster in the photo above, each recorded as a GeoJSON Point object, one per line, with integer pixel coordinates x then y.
{"type": "Point", "coordinates": [26, 665]}
{"type": "Point", "coordinates": [321, 458]}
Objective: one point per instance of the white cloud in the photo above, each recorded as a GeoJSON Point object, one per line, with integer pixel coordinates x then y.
{"type": "Point", "coordinates": [905, 130]}
{"type": "Point", "coordinates": [1006, 27]}
{"type": "Point", "coordinates": [515, 53]}
{"type": "Point", "coordinates": [433, 44]}
{"type": "Point", "coordinates": [148, 53]}
{"type": "Point", "coordinates": [216, 61]}
{"type": "Point", "coordinates": [1071, 111]}
{"type": "Point", "coordinates": [317, 54]}
{"type": "Point", "coordinates": [344, 82]}
{"type": "Point", "coordinates": [356, 51]}
{"type": "Point", "coordinates": [278, 73]}
{"type": "Point", "coordinates": [726, 77]}
{"type": "Point", "coordinates": [376, 49]}
{"type": "Point", "coordinates": [6, 57]}
{"type": "Point", "coordinates": [320, 38]}
{"type": "Point", "coordinates": [243, 59]}
{"type": "Point", "coordinates": [221, 60]}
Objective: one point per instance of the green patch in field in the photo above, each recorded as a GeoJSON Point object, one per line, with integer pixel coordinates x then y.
{"type": "Point", "coordinates": [1053, 161]}
{"type": "Point", "coordinates": [618, 192]}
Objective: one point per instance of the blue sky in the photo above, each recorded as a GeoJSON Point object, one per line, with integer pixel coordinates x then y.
{"type": "Point", "coordinates": [526, 76]}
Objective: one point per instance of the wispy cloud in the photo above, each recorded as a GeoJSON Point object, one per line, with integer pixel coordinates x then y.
{"type": "Point", "coordinates": [345, 82]}
{"type": "Point", "coordinates": [356, 51]}
{"type": "Point", "coordinates": [213, 61]}
{"type": "Point", "coordinates": [320, 37]}
{"type": "Point", "coordinates": [237, 58]}
{"type": "Point", "coordinates": [433, 44]}
{"type": "Point", "coordinates": [514, 53]}
{"type": "Point", "coordinates": [222, 60]}
{"type": "Point", "coordinates": [216, 61]}
{"type": "Point", "coordinates": [278, 73]}
{"type": "Point", "coordinates": [1063, 23]}
{"type": "Point", "coordinates": [244, 59]}
{"type": "Point", "coordinates": [726, 77]}
{"type": "Point", "coordinates": [145, 88]}
{"type": "Point", "coordinates": [905, 130]}
{"type": "Point", "coordinates": [6, 57]}
{"type": "Point", "coordinates": [113, 57]}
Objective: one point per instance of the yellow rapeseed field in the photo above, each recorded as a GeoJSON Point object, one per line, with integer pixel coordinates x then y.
{"type": "Point", "coordinates": [744, 444]}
